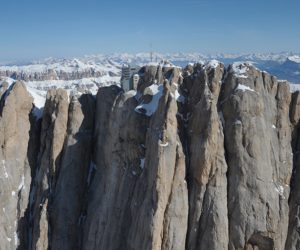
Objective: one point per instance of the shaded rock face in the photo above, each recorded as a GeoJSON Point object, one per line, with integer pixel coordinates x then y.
{"type": "Point", "coordinates": [53, 132]}
{"type": "Point", "coordinates": [293, 238]}
{"type": "Point", "coordinates": [67, 208]}
{"type": "Point", "coordinates": [63, 165]}
{"type": "Point", "coordinates": [200, 158]}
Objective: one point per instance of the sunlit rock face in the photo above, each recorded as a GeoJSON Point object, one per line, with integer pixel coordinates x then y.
{"type": "Point", "coordinates": [204, 157]}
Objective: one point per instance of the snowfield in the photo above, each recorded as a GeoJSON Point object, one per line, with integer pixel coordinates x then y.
{"type": "Point", "coordinates": [38, 89]}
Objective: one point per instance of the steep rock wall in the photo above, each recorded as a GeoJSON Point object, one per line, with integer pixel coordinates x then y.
{"type": "Point", "coordinates": [200, 158]}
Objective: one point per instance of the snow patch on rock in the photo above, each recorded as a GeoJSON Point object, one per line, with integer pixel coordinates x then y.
{"type": "Point", "coordinates": [142, 163]}
{"type": "Point", "coordinates": [244, 88]}
{"type": "Point", "coordinates": [212, 64]}
{"type": "Point", "coordinates": [4, 169]}
{"type": "Point", "coordinates": [22, 183]}
{"type": "Point", "coordinates": [294, 87]}
{"type": "Point", "coordinates": [240, 69]}
{"type": "Point", "coordinates": [150, 108]}
{"type": "Point", "coordinates": [164, 144]}
{"type": "Point", "coordinates": [279, 189]}
{"type": "Point", "coordinates": [179, 97]}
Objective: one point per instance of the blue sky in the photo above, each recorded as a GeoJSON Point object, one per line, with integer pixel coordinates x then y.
{"type": "Point", "coordinates": [63, 28]}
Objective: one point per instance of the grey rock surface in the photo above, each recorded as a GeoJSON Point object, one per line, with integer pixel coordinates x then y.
{"type": "Point", "coordinates": [15, 170]}
{"type": "Point", "coordinates": [258, 152]}
{"type": "Point", "coordinates": [53, 132]}
{"type": "Point", "coordinates": [208, 215]}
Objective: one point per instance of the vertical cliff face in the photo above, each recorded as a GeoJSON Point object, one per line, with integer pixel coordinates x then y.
{"type": "Point", "coordinates": [15, 173]}
{"type": "Point", "coordinates": [161, 210]}
{"type": "Point", "coordinates": [293, 238]}
{"type": "Point", "coordinates": [53, 130]}
{"type": "Point", "coordinates": [72, 178]}
{"type": "Point", "coordinates": [62, 171]}
{"type": "Point", "coordinates": [258, 150]}
{"type": "Point", "coordinates": [208, 223]}
{"type": "Point", "coordinates": [200, 158]}
{"type": "Point", "coordinates": [138, 185]}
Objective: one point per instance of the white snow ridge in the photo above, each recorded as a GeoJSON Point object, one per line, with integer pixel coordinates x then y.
{"type": "Point", "coordinates": [294, 58]}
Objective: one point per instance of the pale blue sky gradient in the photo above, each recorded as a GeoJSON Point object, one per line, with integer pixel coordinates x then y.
{"type": "Point", "coordinates": [64, 28]}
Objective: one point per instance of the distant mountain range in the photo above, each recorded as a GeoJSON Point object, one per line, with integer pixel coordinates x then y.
{"type": "Point", "coordinates": [285, 65]}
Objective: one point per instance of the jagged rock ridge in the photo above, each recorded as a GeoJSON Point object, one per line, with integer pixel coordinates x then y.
{"type": "Point", "coordinates": [200, 158]}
